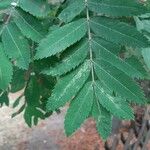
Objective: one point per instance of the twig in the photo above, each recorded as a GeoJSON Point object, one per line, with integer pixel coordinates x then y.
{"type": "Point", "coordinates": [141, 131]}
{"type": "Point", "coordinates": [127, 144]}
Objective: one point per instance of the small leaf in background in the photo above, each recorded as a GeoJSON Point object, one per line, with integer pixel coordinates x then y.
{"type": "Point", "coordinates": [4, 100]}
{"type": "Point", "coordinates": [32, 92]}
{"type": "Point", "coordinates": [6, 70]}
{"type": "Point", "coordinates": [146, 56]}
{"type": "Point", "coordinates": [21, 109]}
{"type": "Point", "coordinates": [18, 80]}
{"type": "Point", "coordinates": [33, 110]}
{"type": "Point", "coordinates": [32, 114]}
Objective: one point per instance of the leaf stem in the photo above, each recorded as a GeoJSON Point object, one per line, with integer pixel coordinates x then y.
{"type": "Point", "coordinates": [90, 38]}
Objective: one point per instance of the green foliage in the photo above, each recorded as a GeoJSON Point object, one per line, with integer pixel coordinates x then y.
{"type": "Point", "coordinates": [18, 80]}
{"type": "Point", "coordinates": [116, 105]}
{"type": "Point", "coordinates": [116, 7]}
{"type": "Point", "coordinates": [4, 99]}
{"type": "Point", "coordinates": [72, 10]}
{"type": "Point", "coordinates": [74, 58]}
{"type": "Point", "coordinates": [16, 46]}
{"type": "Point", "coordinates": [117, 32]}
{"type": "Point", "coordinates": [68, 86]}
{"type": "Point", "coordinates": [38, 8]}
{"type": "Point", "coordinates": [30, 26]}
{"type": "Point", "coordinates": [143, 25]}
{"type": "Point", "coordinates": [103, 119]}
{"type": "Point", "coordinates": [5, 70]}
{"type": "Point", "coordinates": [82, 103]}
{"type": "Point", "coordinates": [4, 4]}
{"type": "Point", "coordinates": [86, 53]}
{"type": "Point", "coordinates": [62, 38]}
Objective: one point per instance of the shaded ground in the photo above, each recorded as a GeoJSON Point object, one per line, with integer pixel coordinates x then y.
{"type": "Point", "coordinates": [15, 135]}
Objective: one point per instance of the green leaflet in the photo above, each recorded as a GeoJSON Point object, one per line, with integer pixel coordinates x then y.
{"type": "Point", "coordinates": [138, 66]}
{"type": "Point", "coordinates": [38, 8]}
{"type": "Point", "coordinates": [116, 105]}
{"type": "Point", "coordinates": [32, 97]}
{"type": "Point", "coordinates": [117, 7]}
{"type": "Point", "coordinates": [21, 109]}
{"type": "Point", "coordinates": [72, 10]}
{"type": "Point", "coordinates": [69, 62]}
{"type": "Point", "coordinates": [146, 55]}
{"type": "Point", "coordinates": [31, 115]}
{"type": "Point", "coordinates": [117, 32]}
{"type": "Point", "coordinates": [79, 109]}
{"type": "Point", "coordinates": [18, 80]}
{"type": "Point", "coordinates": [103, 119]}
{"type": "Point", "coordinates": [142, 24]}
{"type": "Point", "coordinates": [17, 101]}
{"type": "Point", "coordinates": [4, 99]}
{"type": "Point", "coordinates": [98, 43]}
{"type": "Point", "coordinates": [6, 70]}
{"type": "Point", "coordinates": [16, 46]}
{"type": "Point", "coordinates": [62, 38]}
{"type": "Point", "coordinates": [119, 82]}
{"type": "Point", "coordinates": [30, 26]}
{"type": "Point", "coordinates": [5, 4]}
{"type": "Point", "coordinates": [105, 50]}
{"type": "Point", "coordinates": [32, 92]}
{"type": "Point", "coordinates": [68, 86]}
